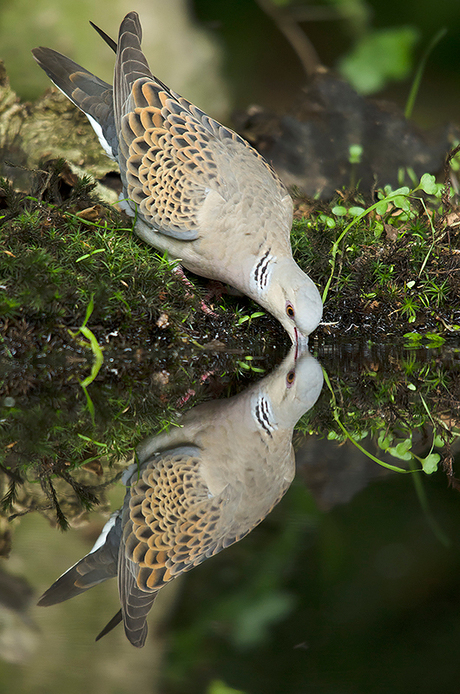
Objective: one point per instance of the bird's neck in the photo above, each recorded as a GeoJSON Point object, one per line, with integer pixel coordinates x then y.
{"type": "Point", "coordinates": [263, 271]}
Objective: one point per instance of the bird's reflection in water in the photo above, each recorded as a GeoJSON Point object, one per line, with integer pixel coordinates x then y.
{"type": "Point", "coordinates": [197, 489]}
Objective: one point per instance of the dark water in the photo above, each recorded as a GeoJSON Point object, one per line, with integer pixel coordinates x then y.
{"type": "Point", "coordinates": [350, 585]}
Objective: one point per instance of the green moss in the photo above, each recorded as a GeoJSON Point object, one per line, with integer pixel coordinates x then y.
{"type": "Point", "coordinates": [161, 351]}
{"type": "Point", "coordinates": [386, 268]}
{"type": "Point", "coordinates": [389, 269]}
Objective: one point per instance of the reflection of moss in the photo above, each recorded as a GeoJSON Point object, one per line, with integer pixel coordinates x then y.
{"type": "Point", "coordinates": [63, 253]}
{"type": "Point", "coordinates": [63, 249]}
{"type": "Point", "coordinates": [405, 401]}
{"type": "Point", "coordinates": [48, 434]}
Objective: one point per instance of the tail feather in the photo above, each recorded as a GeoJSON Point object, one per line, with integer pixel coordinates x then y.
{"type": "Point", "coordinates": [97, 566]}
{"type": "Point", "coordinates": [88, 572]}
{"type": "Point", "coordinates": [109, 41]}
{"type": "Point", "coordinates": [90, 94]}
{"type": "Point", "coordinates": [135, 611]}
{"type": "Point", "coordinates": [135, 603]}
{"type": "Point", "coordinates": [131, 64]}
{"type": "Point", "coordinates": [116, 619]}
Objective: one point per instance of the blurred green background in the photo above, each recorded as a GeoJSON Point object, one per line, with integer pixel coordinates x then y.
{"type": "Point", "coordinates": [349, 598]}
{"type": "Point", "coordinates": [229, 54]}
{"type": "Point", "coordinates": [360, 598]}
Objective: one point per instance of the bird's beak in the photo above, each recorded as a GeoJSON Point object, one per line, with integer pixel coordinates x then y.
{"type": "Point", "coordinates": [301, 343]}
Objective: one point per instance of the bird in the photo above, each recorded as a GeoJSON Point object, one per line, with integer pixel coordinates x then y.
{"type": "Point", "coordinates": [195, 490]}
{"type": "Point", "coordinates": [196, 189]}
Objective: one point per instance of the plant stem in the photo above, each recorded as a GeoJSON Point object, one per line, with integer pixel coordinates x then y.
{"type": "Point", "coordinates": [419, 73]}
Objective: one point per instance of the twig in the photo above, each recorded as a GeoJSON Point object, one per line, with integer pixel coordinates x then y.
{"type": "Point", "coordinates": [294, 34]}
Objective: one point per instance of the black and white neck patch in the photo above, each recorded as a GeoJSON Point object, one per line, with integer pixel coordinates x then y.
{"type": "Point", "coordinates": [262, 271]}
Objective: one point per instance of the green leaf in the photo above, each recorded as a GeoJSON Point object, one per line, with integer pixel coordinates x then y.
{"type": "Point", "coordinates": [219, 687]}
{"type": "Point", "coordinates": [97, 353]}
{"type": "Point", "coordinates": [355, 153]}
{"type": "Point", "coordinates": [430, 463]}
{"type": "Point", "coordinates": [329, 221]}
{"type": "Point", "coordinates": [381, 208]}
{"type": "Point", "coordinates": [402, 450]}
{"type": "Point", "coordinates": [435, 340]}
{"type": "Point", "coordinates": [356, 211]}
{"type": "Point", "coordinates": [402, 202]}
{"type": "Point", "coordinates": [413, 337]}
{"type": "Point", "coordinates": [404, 190]}
{"type": "Point", "coordinates": [359, 436]}
{"type": "Point", "coordinates": [252, 623]}
{"type": "Point", "coordinates": [428, 184]}
{"type": "Point", "coordinates": [88, 255]}
{"type": "Point", "coordinates": [380, 56]}
{"type": "Point", "coordinates": [333, 436]}
{"type": "Point", "coordinates": [384, 441]}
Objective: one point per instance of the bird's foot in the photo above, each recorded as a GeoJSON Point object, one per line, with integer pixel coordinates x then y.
{"type": "Point", "coordinates": [203, 305]}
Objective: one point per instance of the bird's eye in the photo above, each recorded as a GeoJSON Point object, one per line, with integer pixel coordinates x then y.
{"type": "Point", "coordinates": [290, 377]}
{"type": "Point", "coordinates": [290, 310]}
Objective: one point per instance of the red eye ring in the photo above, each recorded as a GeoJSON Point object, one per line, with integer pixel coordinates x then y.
{"type": "Point", "coordinates": [290, 377]}
{"type": "Point", "coordinates": [290, 310]}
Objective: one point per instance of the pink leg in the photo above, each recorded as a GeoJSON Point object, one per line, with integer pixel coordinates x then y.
{"type": "Point", "coordinates": [182, 276]}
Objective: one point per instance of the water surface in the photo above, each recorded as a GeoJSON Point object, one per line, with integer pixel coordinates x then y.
{"type": "Point", "coordinates": [349, 585]}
